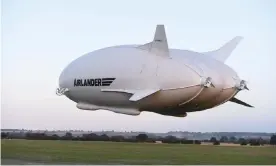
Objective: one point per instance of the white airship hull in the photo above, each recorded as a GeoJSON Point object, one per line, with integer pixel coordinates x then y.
{"type": "Point", "coordinates": [147, 73]}
{"type": "Point", "coordinates": [129, 79]}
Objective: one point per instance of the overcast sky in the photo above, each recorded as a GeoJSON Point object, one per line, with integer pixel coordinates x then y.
{"type": "Point", "coordinates": [40, 37]}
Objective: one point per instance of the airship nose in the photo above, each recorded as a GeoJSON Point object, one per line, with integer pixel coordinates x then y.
{"type": "Point", "coordinates": [63, 83]}
{"type": "Point", "coordinates": [62, 79]}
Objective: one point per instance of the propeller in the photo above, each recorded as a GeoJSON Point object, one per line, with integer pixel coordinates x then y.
{"type": "Point", "coordinates": [241, 85]}
{"type": "Point", "coordinates": [61, 91]}
{"type": "Point", "coordinates": [208, 82]}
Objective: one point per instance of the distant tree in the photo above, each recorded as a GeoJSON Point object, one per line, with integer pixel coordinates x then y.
{"type": "Point", "coordinates": [36, 136]}
{"type": "Point", "coordinates": [243, 143]}
{"type": "Point", "coordinates": [261, 141]}
{"type": "Point", "coordinates": [233, 139]}
{"type": "Point", "coordinates": [4, 135]}
{"type": "Point", "coordinates": [142, 137]}
{"type": "Point", "coordinates": [90, 137]}
{"type": "Point", "coordinates": [104, 137]}
{"type": "Point", "coordinates": [254, 142]}
{"type": "Point", "coordinates": [77, 138]}
{"type": "Point", "coordinates": [130, 139]}
{"type": "Point", "coordinates": [273, 140]}
{"type": "Point", "coordinates": [216, 143]}
{"type": "Point", "coordinates": [213, 139]}
{"type": "Point", "coordinates": [170, 139]}
{"type": "Point", "coordinates": [197, 141]}
{"type": "Point", "coordinates": [117, 138]}
{"type": "Point", "coordinates": [224, 139]}
{"type": "Point", "coordinates": [183, 141]}
{"type": "Point", "coordinates": [240, 140]}
{"type": "Point", "coordinates": [55, 137]}
{"type": "Point", "coordinates": [68, 136]}
{"type": "Point", "coordinates": [150, 140]}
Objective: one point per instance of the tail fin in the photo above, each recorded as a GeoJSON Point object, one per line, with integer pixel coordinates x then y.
{"type": "Point", "coordinates": [159, 45]}
{"type": "Point", "coordinates": [225, 51]}
{"type": "Point", "coordinates": [235, 100]}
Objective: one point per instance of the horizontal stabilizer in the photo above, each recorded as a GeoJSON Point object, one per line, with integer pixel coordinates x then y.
{"type": "Point", "coordinates": [235, 100]}
{"type": "Point", "coordinates": [136, 94]}
{"type": "Point", "coordinates": [159, 45]}
{"type": "Point", "coordinates": [142, 94]}
{"type": "Point", "coordinates": [225, 51]}
{"type": "Point", "coordinates": [119, 90]}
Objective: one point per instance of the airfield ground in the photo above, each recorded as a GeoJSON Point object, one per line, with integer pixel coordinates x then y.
{"type": "Point", "coordinates": [77, 152]}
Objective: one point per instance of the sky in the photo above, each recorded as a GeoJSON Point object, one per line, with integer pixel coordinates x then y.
{"type": "Point", "coordinates": [40, 37]}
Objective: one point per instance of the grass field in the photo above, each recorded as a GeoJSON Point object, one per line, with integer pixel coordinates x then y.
{"type": "Point", "coordinates": [77, 152]}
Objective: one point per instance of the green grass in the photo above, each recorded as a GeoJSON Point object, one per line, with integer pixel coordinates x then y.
{"type": "Point", "coordinates": [77, 152]}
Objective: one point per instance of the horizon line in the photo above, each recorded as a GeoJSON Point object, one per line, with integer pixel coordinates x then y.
{"type": "Point", "coordinates": [139, 131]}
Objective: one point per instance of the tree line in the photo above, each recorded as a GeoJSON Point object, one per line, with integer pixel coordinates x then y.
{"type": "Point", "coordinates": [95, 137]}
{"type": "Point", "coordinates": [138, 138]}
{"type": "Point", "coordinates": [244, 141]}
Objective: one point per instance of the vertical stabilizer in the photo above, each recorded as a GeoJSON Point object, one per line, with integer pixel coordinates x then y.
{"type": "Point", "coordinates": [160, 38]}
{"type": "Point", "coordinates": [225, 51]}
{"type": "Point", "coordinates": [159, 45]}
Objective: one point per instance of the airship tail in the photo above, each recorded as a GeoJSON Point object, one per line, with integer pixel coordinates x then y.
{"type": "Point", "coordinates": [225, 51]}
{"type": "Point", "coordinates": [235, 100]}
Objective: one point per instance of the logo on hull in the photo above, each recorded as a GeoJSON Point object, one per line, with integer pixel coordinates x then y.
{"type": "Point", "coordinates": [94, 82]}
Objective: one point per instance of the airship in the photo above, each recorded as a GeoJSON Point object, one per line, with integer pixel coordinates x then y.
{"type": "Point", "coordinates": [130, 79]}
